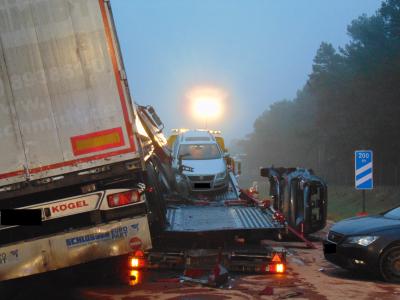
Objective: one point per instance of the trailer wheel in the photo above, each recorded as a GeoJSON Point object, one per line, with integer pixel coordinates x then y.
{"type": "Point", "coordinates": [155, 198]}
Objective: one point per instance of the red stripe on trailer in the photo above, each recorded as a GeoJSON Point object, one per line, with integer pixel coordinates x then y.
{"type": "Point", "coordinates": [12, 174]}
{"type": "Point", "coordinates": [66, 163]}
{"type": "Point", "coordinates": [117, 75]}
{"type": "Point", "coordinates": [78, 161]}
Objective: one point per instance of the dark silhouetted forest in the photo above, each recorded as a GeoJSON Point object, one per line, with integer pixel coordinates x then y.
{"type": "Point", "coordinates": [351, 101]}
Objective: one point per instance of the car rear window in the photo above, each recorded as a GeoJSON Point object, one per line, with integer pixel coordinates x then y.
{"type": "Point", "coordinates": [199, 151]}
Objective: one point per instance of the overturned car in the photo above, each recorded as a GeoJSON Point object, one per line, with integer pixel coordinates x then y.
{"type": "Point", "coordinates": [300, 195]}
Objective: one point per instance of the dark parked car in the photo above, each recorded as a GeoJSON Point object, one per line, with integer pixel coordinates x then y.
{"type": "Point", "coordinates": [369, 243]}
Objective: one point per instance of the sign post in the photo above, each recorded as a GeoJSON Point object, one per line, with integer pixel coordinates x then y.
{"type": "Point", "coordinates": [363, 172]}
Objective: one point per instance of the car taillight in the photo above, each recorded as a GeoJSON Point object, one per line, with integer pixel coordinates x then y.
{"type": "Point", "coordinates": [124, 198]}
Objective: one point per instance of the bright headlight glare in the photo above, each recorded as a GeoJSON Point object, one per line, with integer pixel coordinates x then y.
{"type": "Point", "coordinates": [361, 240]}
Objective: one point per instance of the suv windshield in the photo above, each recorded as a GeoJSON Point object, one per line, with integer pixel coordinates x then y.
{"type": "Point", "coordinates": [199, 151]}
{"type": "Point", "coordinates": [393, 214]}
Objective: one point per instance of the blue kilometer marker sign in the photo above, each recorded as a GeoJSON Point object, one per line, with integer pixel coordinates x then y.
{"type": "Point", "coordinates": [363, 165]}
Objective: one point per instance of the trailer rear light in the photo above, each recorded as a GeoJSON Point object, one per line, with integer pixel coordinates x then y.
{"type": "Point", "coordinates": [134, 277]}
{"type": "Point", "coordinates": [138, 263]}
{"type": "Point", "coordinates": [138, 260]}
{"type": "Point", "coordinates": [275, 268]}
{"type": "Point", "coordinates": [124, 198]}
{"type": "Point", "coordinates": [134, 262]}
{"type": "Point", "coordinates": [279, 268]}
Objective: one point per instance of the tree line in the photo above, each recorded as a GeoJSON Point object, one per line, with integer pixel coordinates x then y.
{"type": "Point", "coordinates": [350, 101]}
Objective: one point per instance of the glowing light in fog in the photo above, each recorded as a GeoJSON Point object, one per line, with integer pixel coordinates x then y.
{"type": "Point", "coordinates": [207, 103]}
{"type": "Point", "coordinates": [207, 107]}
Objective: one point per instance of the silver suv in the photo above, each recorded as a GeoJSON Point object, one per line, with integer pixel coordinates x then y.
{"type": "Point", "coordinates": [203, 160]}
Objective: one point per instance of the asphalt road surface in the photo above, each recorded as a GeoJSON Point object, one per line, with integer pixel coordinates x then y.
{"type": "Point", "coordinates": [308, 276]}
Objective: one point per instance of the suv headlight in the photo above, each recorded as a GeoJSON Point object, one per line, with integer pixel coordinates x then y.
{"type": "Point", "coordinates": [221, 175]}
{"type": "Point", "coordinates": [361, 240]}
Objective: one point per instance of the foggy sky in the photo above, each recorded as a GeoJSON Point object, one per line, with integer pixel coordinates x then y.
{"type": "Point", "coordinates": [257, 51]}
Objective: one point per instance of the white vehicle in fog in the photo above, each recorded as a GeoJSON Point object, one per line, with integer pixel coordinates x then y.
{"type": "Point", "coordinates": [198, 151]}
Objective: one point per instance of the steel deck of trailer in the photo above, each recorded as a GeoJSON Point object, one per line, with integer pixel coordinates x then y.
{"type": "Point", "coordinates": [215, 215]}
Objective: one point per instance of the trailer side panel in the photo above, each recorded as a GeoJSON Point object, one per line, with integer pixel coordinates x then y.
{"type": "Point", "coordinates": [61, 66]}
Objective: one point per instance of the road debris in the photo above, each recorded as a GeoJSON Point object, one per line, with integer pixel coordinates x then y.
{"type": "Point", "coordinates": [268, 291]}
{"type": "Point", "coordinates": [290, 295]}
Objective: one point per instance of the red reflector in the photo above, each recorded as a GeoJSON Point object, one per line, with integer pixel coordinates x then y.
{"type": "Point", "coordinates": [123, 198]}
{"type": "Point", "coordinates": [139, 253]}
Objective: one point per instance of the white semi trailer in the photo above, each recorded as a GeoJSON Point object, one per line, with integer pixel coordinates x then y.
{"type": "Point", "coordinates": [69, 143]}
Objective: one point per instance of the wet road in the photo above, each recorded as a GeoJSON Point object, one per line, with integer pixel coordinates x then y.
{"type": "Point", "coordinates": [308, 276]}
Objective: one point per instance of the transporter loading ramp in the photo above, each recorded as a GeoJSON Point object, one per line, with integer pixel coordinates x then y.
{"type": "Point", "coordinates": [216, 218]}
{"type": "Point", "coordinates": [227, 211]}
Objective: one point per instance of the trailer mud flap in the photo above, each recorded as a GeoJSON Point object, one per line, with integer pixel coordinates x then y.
{"type": "Point", "coordinates": [73, 248]}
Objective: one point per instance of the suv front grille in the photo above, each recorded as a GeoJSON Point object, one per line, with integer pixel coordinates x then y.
{"type": "Point", "coordinates": [335, 237]}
